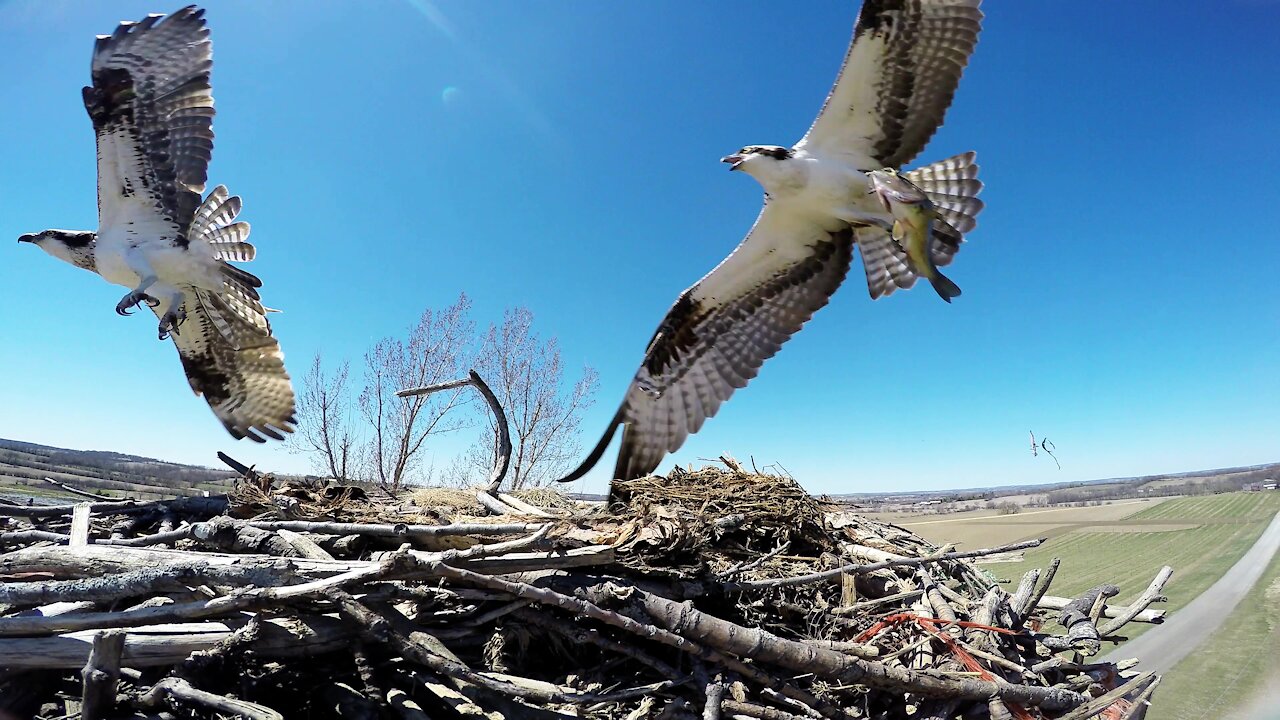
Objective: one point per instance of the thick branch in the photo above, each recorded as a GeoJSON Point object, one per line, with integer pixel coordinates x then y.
{"type": "Point", "coordinates": [151, 647]}
{"type": "Point", "coordinates": [405, 642]}
{"type": "Point", "coordinates": [398, 530]}
{"type": "Point", "coordinates": [1053, 602]}
{"type": "Point", "coordinates": [249, 598]}
{"type": "Point", "coordinates": [1151, 594]}
{"type": "Point", "coordinates": [100, 675]}
{"type": "Point", "coordinates": [1034, 601]}
{"type": "Point", "coordinates": [182, 692]}
{"type": "Point", "coordinates": [763, 646]}
{"type": "Point", "coordinates": [856, 568]}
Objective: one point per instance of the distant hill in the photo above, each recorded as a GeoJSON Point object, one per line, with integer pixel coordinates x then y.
{"type": "Point", "coordinates": [102, 471]}
{"type": "Point", "coordinates": [1181, 483]}
{"type": "Point", "coordinates": [25, 463]}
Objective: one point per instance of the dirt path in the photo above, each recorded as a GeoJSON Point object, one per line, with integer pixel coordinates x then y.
{"type": "Point", "coordinates": [1162, 647]}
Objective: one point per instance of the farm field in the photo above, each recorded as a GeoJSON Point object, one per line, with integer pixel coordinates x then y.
{"type": "Point", "coordinates": [984, 528]}
{"type": "Point", "coordinates": [1210, 533]}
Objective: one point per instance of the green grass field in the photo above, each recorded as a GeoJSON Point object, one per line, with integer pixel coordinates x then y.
{"type": "Point", "coordinates": [1231, 674]}
{"type": "Point", "coordinates": [1225, 526]}
{"type": "Point", "coordinates": [1201, 537]}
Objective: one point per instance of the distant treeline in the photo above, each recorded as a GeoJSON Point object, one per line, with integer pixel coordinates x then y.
{"type": "Point", "coordinates": [1181, 485]}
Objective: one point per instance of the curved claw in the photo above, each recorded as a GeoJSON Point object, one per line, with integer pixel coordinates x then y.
{"type": "Point", "coordinates": [170, 322]}
{"type": "Point", "coordinates": [133, 300]}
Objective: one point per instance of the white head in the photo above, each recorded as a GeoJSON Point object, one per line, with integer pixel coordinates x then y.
{"type": "Point", "coordinates": [771, 165]}
{"type": "Point", "coordinates": [73, 246]}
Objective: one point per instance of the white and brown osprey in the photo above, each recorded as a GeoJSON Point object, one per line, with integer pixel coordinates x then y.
{"type": "Point", "coordinates": [899, 75]}
{"type": "Point", "coordinates": [152, 109]}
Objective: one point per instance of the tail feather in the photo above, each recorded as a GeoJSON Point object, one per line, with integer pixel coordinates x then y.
{"type": "Point", "coordinates": [884, 261]}
{"type": "Point", "coordinates": [229, 243]}
{"type": "Point", "coordinates": [219, 208]}
{"type": "Point", "coordinates": [215, 227]}
{"type": "Point", "coordinates": [946, 243]}
{"type": "Point", "coordinates": [240, 296]}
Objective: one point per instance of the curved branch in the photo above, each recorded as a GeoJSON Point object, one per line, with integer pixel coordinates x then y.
{"type": "Point", "coordinates": [502, 458]}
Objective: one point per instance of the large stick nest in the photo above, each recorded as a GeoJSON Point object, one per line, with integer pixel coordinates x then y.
{"type": "Point", "coordinates": [708, 593]}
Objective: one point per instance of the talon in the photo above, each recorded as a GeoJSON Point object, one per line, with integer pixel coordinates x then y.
{"type": "Point", "coordinates": [170, 322]}
{"type": "Point", "coordinates": [132, 300]}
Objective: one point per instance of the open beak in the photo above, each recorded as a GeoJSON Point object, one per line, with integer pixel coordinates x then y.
{"type": "Point", "coordinates": [27, 238]}
{"type": "Point", "coordinates": [735, 160]}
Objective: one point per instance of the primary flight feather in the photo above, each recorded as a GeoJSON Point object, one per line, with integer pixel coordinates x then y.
{"type": "Point", "coordinates": [151, 104]}
{"type": "Point", "coordinates": [900, 72]}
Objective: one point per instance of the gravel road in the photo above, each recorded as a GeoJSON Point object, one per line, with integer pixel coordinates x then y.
{"type": "Point", "coordinates": [1162, 647]}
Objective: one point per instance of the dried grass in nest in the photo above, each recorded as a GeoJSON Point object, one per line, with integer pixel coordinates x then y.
{"type": "Point", "coordinates": [451, 500]}
{"type": "Point", "coordinates": [546, 498]}
{"type": "Point", "coordinates": [713, 515]}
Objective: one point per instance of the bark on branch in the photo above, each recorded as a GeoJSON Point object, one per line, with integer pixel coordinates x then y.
{"type": "Point", "coordinates": [1151, 594]}
{"type": "Point", "coordinates": [765, 647]}
{"type": "Point", "coordinates": [181, 692]}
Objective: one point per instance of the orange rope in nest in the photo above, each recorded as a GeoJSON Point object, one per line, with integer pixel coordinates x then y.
{"type": "Point", "coordinates": [930, 625]}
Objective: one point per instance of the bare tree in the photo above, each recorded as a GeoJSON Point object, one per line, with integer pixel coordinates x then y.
{"type": "Point", "coordinates": [527, 375]}
{"type": "Point", "coordinates": [325, 430]}
{"type": "Point", "coordinates": [436, 350]}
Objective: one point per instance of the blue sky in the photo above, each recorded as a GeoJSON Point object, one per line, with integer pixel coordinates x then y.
{"type": "Point", "coordinates": [1119, 291]}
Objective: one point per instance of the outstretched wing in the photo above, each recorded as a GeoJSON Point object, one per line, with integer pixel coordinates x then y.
{"type": "Point", "coordinates": [898, 77]}
{"type": "Point", "coordinates": [152, 110]}
{"type": "Point", "coordinates": [237, 367]}
{"type": "Point", "coordinates": [720, 331]}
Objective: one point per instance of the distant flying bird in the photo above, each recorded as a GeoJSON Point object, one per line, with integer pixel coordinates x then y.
{"type": "Point", "coordinates": [152, 109]}
{"type": "Point", "coordinates": [914, 216]}
{"type": "Point", "coordinates": [1046, 446]}
{"type": "Point", "coordinates": [899, 75]}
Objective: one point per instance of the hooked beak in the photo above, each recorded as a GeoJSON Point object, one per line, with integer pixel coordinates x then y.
{"type": "Point", "coordinates": [735, 160]}
{"type": "Point", "coordinates": [28, 238]}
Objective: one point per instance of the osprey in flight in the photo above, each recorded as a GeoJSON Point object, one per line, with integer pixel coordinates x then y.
{"type": "Point", "coordinates": [152, 110]}
{"type": "Point", "coordinates": [899, 75]}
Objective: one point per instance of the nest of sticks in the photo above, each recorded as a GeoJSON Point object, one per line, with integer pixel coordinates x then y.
{"type": "Point", "coordinates": [707, 594]}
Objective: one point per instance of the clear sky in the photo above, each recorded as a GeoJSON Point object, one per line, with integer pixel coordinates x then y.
{"type": "Point", "coordinates": [1120, 291]}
